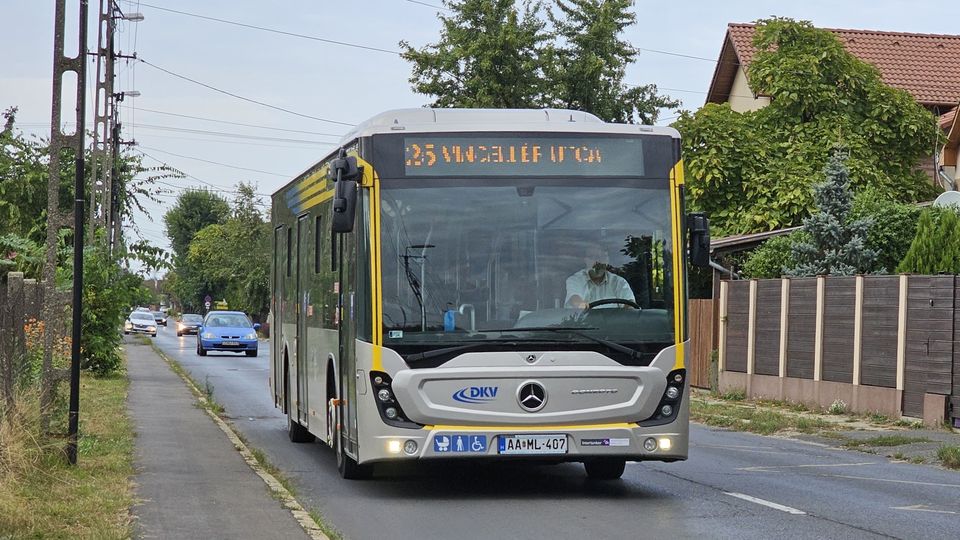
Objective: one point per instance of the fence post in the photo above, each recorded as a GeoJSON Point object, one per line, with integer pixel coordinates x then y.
{"type": "Point", "coordinates": [11, 324]}
{"type": "Point", "coordinates": [857, 330]}
{"type": "Point", "coordinates": [722, 344]}
{"type": "Point", "coordinates": [902, 330]}
{"type": "Point", "coordinates": [818, 339]}
{"type": "Point", "coordinates": [784, 323]}
{"type": "Point", "coordinates": [752, 327]}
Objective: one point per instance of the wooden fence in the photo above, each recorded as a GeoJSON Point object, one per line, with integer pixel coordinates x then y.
{"type": "Point", "coordinates": [878, 343]}
{"type": "Point", "coordinates": [20, 300]}
{"type": "Point", "coordinates": [702, 325]}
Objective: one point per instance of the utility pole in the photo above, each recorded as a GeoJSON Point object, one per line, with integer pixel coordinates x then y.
{"type": "Point", "coordinates": [57, 219]}
{"type": "Point", "coordinates": [103, 117]}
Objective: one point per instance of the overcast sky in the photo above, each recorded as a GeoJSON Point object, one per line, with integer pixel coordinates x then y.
{"type": "Point", "coordinates": [337, 82]}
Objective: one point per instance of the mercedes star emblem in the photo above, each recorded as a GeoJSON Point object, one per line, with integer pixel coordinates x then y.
{"type": "Point", "coordinates": [532, 396]}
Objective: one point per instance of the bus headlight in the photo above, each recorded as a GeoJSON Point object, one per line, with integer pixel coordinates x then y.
{"type": "Point", "coordinates": [384, 394]}
{"type": "Point", "coordinates": [650, 444]}
{"type": "Point", "coordinates": [666, 410]}
{"type": "Point", "coordinates": [410, 447]}
{"type": "Point", "coordinates": [665, 444]}
{"type": "Point", "coordinates": [387, 405]}
{"type": "Point", "coordinates": [393, 446]}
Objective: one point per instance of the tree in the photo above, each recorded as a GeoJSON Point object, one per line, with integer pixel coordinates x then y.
{"type": "Point", "coordinates": [589, 68]}
{"type": "Point", "coordinates": [194, 210]}
{"type": "Point", "coordinates": [489, 55]}
{"type": "Point", "coordinates": [893, 226]}
{"type": "Point", "coordinates": [773, 258]}
{"type": "Point", "coordinates": [923, 257]}
{"type": "Point", "coordinates": [836, 244]}
{"type": "Point", "coordinates": [753, 171]}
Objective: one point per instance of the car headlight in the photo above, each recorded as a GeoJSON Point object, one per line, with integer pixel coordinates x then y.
{"type": "Point", "coordinates": [208, 335]}
{"type": "Point", "coordinates": [127, 325]}
{"type": "Point", "coordinates": [251, 335]}
{"type": "Point", "coordinates": [152, 328]}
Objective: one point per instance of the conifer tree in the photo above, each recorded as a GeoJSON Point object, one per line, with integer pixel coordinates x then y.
{"type": "Point", "coordinates": [836, 243]}
{"type": "Point", "coordinates": [948, 242]}
{"type": "Point", "coordinates": [923, 255]}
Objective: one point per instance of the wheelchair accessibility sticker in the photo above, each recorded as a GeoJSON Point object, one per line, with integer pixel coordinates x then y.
{"type": "Point", "coordinates": [459, 443]}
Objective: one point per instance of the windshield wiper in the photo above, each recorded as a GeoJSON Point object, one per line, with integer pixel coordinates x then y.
{"type": "Point", "coordinates": [632, 353]}
{"type": "Point", "coordinates": [426, 355]}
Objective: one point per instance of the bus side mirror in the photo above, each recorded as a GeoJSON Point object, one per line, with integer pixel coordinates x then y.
{"type": "Point", "coordinates": [345, 173]}
{"type": "Point", "coordinates": [699, 227]}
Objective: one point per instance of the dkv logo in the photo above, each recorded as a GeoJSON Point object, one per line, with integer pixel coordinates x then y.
{"type": "Point", "coordinates": [476, 394]}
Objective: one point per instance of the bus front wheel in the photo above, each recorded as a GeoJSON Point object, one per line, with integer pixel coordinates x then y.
{"type": "Point", "coordinates": [348, 467]}
{"type": "Point", "coordinates": [605, 468]}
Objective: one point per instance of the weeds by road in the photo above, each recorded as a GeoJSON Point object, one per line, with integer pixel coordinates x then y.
{"type": "Point", "coordinates": [43, 497]}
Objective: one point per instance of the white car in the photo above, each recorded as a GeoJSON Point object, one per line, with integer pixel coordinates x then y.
{"type": "Point", "coordinates": [140, 322]}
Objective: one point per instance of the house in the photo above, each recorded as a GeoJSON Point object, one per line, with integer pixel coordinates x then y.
{"type": "Point", "coordinates": [925, 65]}
{"type": "Point", "coordinates": [951, 149]}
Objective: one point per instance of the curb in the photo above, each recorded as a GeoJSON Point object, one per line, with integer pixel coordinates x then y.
{"type": "Point", "coordinates": [281, 493]}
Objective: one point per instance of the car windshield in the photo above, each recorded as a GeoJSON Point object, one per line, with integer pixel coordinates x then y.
{"type": "Point", "coordinates": [223, 320]}
{"type": "Point", "coordinates": [141, 316]}
{"type": "Point", "coordinates": [192, 319]}
{"type": "Point", "coordinates": [158, 314]}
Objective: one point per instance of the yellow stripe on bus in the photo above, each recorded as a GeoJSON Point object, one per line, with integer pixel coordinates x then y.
{"type": "Point", "coordinates": [315, 200]}
{"type": "Point", "coordinates": [371, 181]}
{"type": "Point", "coordinates": [676, 179]}
{"type": "Point", "coordinates": [519, 428]}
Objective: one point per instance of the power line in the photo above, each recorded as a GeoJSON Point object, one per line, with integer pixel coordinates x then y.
{"type": "Point", "coordinates": [428, 5]}
{"type": "Point", "coordinates": [218, 163]}
{"type": "Point", "coordinates": [274, 30]}
{"type": "Point", "coordinates": [141, 109]}
{"type": "Point", "coordinates": [292, 146]}
{"type": "Point", "coordinates": [188, 175]}
{"type": "Point", "coordinates": [237, 96]}
{"type": "Point", "coordinates": [228, 134]}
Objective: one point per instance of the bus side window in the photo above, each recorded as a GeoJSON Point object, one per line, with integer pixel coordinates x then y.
{"type": "Point", "coordinates": [318, 228]}
{"type": "Point", "coordinates": [333, 250]}
{"type": "Point", "coordinates": [289, 251]}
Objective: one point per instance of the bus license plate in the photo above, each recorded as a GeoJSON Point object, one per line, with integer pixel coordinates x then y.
{"type": "Point", "coordinates": [533, 444]}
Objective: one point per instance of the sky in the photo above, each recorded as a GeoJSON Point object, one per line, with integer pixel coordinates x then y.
{"type": "Point", "coordinates": [680, 41]}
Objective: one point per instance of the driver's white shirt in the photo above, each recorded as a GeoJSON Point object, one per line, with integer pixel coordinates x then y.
{"type": "Point", "coordinates": [612, 286]}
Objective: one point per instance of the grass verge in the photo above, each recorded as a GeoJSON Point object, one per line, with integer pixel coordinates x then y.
{"type": "Point", "coordinates": [885, 440]}
{"type": "Point", "coordinates": [41, 496]}
{"type": "Point", "coordinates": [744, 416]}
{"type": "Point", "coordinates": [206, 391]}
{"type": "Point", "coordinates": [949, 456]}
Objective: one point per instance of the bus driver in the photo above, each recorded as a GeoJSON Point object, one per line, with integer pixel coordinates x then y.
{"type": "Point", "coordinates": [595, 282]}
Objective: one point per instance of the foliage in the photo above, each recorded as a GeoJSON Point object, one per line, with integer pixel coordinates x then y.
{"type": "Point", "coordinates": [836, 244]}
{"type": "Point", "coordinates": [194, 210]}
{"type": "Point", "coordinates": [892, 227]}
{"type": "Point", "coordinates": [219, 261]}
{"type": "Point", "coordinates": [588, 70]}
{"type": "Point", "coordinates": [109, 293]}
{"type": "Point", "coordinates": [753, 171]}
{"type": "Point", "coordinates": [489, 55]}
{"type": "Point", "coordinates": [935, 248]}
{"type": "Point", "coordinates": [493, 54]}
{"type": "Point", "coordinates": [773, 258]}
{"type": "Point", "coordinates": [20, 254]}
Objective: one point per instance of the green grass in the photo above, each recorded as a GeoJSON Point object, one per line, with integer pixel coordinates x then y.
{"type": "Point", "coordinates": [746, 417]}
{"type": "Point", "coordinates": [949, 456]}
{"type": "Point", "coordinates": [885, 440]}
{"type": "Point", "coordinates": [41, 496]}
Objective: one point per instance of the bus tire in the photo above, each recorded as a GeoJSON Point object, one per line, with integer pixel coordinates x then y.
{"type": "Point", "coordinates": [605, 468]}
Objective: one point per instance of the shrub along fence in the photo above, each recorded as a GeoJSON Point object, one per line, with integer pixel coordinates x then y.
{"type": "Point", "coordinates": [887, 344]}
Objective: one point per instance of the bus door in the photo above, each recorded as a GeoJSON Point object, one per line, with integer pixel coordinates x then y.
{"type": "Point", "coordinates": [276, 322]}
{"type": "Point", "coordinates": [303, 300]}
{"type": "Point", "coordinates": [345, 250]}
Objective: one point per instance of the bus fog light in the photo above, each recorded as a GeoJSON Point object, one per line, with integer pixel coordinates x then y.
{"type": "Point", "coordinates": [384, 394]}
{"type": "Point", "coordinates": [391, 414]}
{"type": "Point", "coordinates": [393, 446]}
{"type": "Point", "coordinates": [678, 377]}
{"type": "Point", "coordinates": [672, 392]}
{"type": "Point", "coordinates": [378, 380]}
{"type": "Point", "coordinates": [665, 444]}
{"type": "Point", "coordinates": [666, 410]}
{"type": "Point", "coordinates": [650, 444]}
{"type": "Point", "coordinates": [410, 447]}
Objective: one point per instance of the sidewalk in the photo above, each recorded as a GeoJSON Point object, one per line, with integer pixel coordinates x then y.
{"type": "Point", "coordinates": [191, 482]}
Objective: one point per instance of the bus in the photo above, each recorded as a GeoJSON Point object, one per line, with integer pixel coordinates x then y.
{"type": "Point", "coordinates": [486, 284]}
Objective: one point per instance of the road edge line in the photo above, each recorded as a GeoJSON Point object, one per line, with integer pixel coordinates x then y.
{"type": "Point", "coordinates": [287, 500]}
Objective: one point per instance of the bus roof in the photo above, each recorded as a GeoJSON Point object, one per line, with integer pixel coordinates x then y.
{"type": "Point", "coordinates": [459, 120]}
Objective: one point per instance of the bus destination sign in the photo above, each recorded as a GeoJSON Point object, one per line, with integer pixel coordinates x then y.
{"type": "Point", "coordinates": [491, 155]}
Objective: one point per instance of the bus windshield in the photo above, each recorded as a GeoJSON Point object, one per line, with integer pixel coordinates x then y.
{"type": "Point", "coordinates": [465, 261]}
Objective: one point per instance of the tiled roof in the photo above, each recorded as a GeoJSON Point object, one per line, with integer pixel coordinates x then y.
{"type": "Point", "coordinates": [926, 65]}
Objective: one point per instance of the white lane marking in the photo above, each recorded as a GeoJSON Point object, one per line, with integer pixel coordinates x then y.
{"type": "Point", "coordinates": [922, 508]}
{"type": "Point", "coordinates": [851, 477]}
{"type": "Point", "coordinates": [768, 504]}
{"type": "Point", "coordinates": [761, 468]}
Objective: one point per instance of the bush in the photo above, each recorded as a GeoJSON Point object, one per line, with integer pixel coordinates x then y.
{"type": "Point", "coordinates": [893, 226]}
{"type": "Point", "coordinates": [770, 259]}
{"type": "Point", "coordinates": [949, 456]}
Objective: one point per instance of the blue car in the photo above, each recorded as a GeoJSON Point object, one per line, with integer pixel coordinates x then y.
{"type": "Point", "coordinates": [229, 331]}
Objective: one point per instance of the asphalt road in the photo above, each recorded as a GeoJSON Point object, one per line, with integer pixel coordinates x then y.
{"type": "Point", "coordinates": [735, 485]}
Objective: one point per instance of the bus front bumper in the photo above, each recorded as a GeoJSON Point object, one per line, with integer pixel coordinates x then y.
{"type": "Point", "coordinates": [543, 443]}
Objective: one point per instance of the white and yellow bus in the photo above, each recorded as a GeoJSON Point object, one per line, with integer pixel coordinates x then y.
{"type": "Point", "coordinates": [486, 284]}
